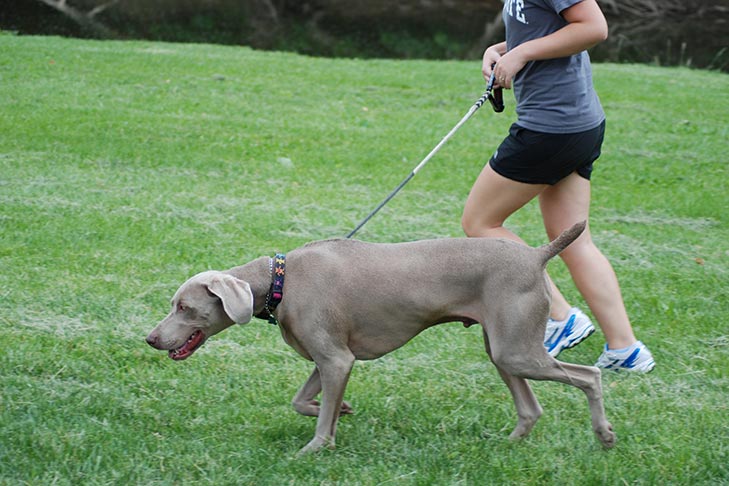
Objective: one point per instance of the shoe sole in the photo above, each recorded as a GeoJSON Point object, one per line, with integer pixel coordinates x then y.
{"type": "Point", "coordinates": [576, 341]}
{"type": "Point", "coordinates": [621, 369]}
{"type": "Point", "coordinates": [643, 368]}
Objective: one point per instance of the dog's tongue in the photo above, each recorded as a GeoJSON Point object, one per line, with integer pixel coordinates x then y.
{"type": "Point", "coordinates": [186, 350]}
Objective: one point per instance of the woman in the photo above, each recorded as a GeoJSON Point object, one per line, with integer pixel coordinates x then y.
{"type": "Point", "coordinates": [549, 154]}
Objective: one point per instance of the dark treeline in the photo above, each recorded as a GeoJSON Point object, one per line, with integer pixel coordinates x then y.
{"type": "Point", "coordinates": [666, 32]}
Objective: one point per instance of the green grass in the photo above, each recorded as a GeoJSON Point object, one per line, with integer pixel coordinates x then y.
{"type": "Point", "coordinates": [126, 167]}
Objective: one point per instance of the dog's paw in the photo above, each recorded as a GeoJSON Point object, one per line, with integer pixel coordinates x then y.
{"type": "Point", "coordinates": [316, 444]}
{"type": "Point", "coordinates": [346, 409]}
{"type": "Point", "coordinates": [606, 436]}
{"type": "Point", "coordinates": [310, 408]}
{"type": "Point", "coordinates": [313, 407]}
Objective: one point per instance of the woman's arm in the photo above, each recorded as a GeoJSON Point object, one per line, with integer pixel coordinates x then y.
{"type": "Point", "coordinates": [587, 27]}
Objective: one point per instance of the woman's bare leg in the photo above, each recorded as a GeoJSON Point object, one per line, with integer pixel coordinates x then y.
{"type": "Point", "coordinates": [562, 205]}
{"type": "Point", "coordinates": [492, 200]}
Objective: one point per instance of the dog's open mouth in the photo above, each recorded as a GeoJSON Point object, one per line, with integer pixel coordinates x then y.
{"type": "Point", "coordinates": [190, 346]}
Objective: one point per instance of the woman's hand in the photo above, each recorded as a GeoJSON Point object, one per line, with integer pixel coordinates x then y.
{"type": "Point", "coordinates": [507, 68]}
{"type": "Point", "coordinates": [490, 57]}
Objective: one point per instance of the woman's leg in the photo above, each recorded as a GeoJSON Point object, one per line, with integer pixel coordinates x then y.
{"type": "Point", "coordinates": [492, 200]}
{"type": "Point", "coordinates": [562, 205]}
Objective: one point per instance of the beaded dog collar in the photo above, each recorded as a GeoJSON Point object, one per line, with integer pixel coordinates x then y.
{"type": "Point", "coordinates": [277, 267]}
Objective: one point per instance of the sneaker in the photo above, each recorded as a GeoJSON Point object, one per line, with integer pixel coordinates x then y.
{"type": "Point", "coordinates": [635, 358]}
{"type": "Point", "coordinates": [568, 333]}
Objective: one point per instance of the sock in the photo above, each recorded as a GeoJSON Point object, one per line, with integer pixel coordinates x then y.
{"type": "Point", "coordinates": [623, 350]}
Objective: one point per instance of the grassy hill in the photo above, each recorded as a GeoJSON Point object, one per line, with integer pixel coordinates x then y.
{"type": "Point", "coordinates": [126, 167]}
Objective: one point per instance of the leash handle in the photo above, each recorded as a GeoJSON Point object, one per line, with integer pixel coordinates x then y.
{"type": "Point", "coordinates": [495, 96]}
{"type": "Point", "coordinates": [492, 79]}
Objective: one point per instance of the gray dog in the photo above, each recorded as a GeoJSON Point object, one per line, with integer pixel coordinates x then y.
{"type": "Point", "coordinates": [345, 300]}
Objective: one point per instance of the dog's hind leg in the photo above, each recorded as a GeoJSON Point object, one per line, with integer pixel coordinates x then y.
{"type": "Point", "coordinates": [586, 378]}
{"type": "Point", "coordinates": [304, 402]}
{"type": "Point", "coordinates": [528, 409]}
{"type": "Point", "coordinates": [516, 332]}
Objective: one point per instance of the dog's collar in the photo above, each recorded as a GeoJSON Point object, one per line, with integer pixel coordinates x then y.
{"type": "Point", "coordinates": [277, 269]}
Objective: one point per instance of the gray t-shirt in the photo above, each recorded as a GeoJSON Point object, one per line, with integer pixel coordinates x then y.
{"type": "Point", "coordinates": [556, 95]}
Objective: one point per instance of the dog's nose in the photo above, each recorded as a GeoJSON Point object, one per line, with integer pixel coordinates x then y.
{"type": "Point", "coordinates": [152, 340]}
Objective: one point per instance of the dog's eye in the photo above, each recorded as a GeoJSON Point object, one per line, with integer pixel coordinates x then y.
{"type": "Point", "coordinates": [182, 308]}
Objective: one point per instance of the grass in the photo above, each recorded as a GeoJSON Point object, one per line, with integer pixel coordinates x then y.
{"type": "Point", "coordinates": [125, 167]}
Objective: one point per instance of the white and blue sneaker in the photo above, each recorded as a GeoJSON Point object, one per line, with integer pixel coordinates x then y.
{"type": "Point", "coordinates": [635, 358]}
{"type": "Point", "coordinates": [561, 335]}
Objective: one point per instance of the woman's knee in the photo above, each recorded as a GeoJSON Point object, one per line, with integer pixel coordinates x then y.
{"type": "Point", "coordinates": [472, 224]}
{"type": "Point", "coordinates": [478, 225]}
{"type": "Point", "coordinates": [579, 251]}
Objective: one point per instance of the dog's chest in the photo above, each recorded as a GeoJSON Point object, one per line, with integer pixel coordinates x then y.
{"type": "Point", "coordinates": [291, 340]}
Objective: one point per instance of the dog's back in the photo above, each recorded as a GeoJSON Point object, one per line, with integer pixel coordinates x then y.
{"type": "Point", "coordinates": [449, 260]}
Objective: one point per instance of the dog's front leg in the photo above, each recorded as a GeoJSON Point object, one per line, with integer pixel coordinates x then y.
{"type": "Point", "coordinates": [333, 373]}
{"type": "Point", "coordinates": [304, 402]}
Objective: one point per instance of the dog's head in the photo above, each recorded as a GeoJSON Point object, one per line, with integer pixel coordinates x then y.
{"type": "Point", "coordinates": [203, 306]}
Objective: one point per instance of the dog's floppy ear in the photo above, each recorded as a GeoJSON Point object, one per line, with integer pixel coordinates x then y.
{"type": "Point", "coordinates": [236, 296]}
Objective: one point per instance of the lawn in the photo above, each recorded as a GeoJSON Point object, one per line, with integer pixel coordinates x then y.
{"type": "Point", "coordinates": [126, 167]}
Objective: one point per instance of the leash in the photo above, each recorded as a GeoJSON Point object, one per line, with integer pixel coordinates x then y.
{"type": "Point", "coordinates": [494, 97]}
{"type": "Point", "coordinates": [277, 264]}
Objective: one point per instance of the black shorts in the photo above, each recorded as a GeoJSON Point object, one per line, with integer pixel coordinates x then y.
{"type": "Point", "coordinates": [547, 158]}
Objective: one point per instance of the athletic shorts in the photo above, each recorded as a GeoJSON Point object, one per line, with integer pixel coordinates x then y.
{"type": "Point", "coordinates": [547, 158]}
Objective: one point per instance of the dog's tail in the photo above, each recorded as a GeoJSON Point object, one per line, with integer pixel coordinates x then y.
{"type": "Point", "coordinates": [569, 235]}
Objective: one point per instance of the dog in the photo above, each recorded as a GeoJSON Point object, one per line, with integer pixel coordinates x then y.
{"type": "Point", "coordinates": [344, 300]}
